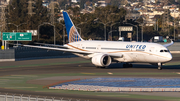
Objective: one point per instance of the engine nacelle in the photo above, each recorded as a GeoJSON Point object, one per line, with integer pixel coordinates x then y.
{"type": "Point", "coordinates": [101, 60]}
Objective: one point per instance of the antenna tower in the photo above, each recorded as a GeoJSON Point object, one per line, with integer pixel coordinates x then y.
{"type": "Point", "coordinates": [3, 18]}
{"type": "Point", "coordinates": [30, 7]}
{"type": "Point", "coordinates": [165, 22]}
{"type": "Point", "coordinates": [52, 7]}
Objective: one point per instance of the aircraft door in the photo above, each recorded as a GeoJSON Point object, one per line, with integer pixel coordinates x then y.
{"type": "Point", "coordinates": [99, 47]}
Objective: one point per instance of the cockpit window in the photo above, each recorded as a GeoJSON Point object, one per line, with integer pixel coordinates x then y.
{"type": "Point", "coordinates": [164, 50]}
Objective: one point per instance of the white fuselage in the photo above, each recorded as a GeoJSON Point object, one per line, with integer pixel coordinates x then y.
{"type": "Point", "coordinates": [132, 51]}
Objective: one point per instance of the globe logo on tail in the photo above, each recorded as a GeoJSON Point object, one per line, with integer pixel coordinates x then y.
{"type": "Point", "coordinates": [74, 35]}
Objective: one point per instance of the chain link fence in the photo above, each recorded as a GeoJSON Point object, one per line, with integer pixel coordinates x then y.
{"type": "Point", "coordinates": [13, 97]}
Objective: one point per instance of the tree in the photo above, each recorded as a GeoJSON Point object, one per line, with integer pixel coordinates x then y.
{"type": "Point", "coordinates": [18, 14]}
{"type": "Point", "coordinates": [91, 24]}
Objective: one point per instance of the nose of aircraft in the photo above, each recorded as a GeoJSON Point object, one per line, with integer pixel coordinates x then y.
{"type": "Point", "coordinates": [169, 57]}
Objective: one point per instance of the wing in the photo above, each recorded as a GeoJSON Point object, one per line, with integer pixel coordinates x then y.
{"type": "Point", "coordinates": [44, 44]}
{"type": "Point", "coordinates": [169, 44]}
{"type": "Point", "coordinates": [61, 49]}
{"type": "Point", "coordinates": [113, 55]}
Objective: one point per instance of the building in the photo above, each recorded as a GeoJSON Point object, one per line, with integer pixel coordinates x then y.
{"type": "Point", "coordinates": [101, 4]}
{"type": "Point", "coordinates": [75, 1]}
{"type": "Point", "coordinates": [132, 15]}
{"type": "Point", "coordinates": [7, 1]}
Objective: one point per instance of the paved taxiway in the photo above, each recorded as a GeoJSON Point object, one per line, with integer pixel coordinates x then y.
{"type": "Point", "coordinates": [72, 65]}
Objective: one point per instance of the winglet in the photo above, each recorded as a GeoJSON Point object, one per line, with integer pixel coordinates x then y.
{"type": "Point", "coordinates": [169, 44]}
{"type": "Point", "coordinates": [73, 35]}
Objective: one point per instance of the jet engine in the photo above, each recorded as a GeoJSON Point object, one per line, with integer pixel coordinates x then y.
{"type": "Point", "coordinates": [101, 60]}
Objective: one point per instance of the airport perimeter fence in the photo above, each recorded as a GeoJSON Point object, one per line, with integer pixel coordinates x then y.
{"type": "Point", "coordinates": [8, 97]}
{"type": "Point", "coordinates": [7, 55]}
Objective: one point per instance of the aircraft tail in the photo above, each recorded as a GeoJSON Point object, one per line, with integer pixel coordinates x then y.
{"type": "Point", "coordinates": [73, 35]}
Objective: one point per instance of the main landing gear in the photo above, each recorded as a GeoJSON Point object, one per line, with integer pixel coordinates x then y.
{"type": "Point", "coordinates": [159, 66]}
{"type": "Point", "coordinates": [127, 65]}
{"type": "Point", "coordinates": [101, 67]}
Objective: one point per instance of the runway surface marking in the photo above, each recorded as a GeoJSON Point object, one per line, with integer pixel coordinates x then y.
{"type": "Point", "coordinates": [89, 73]}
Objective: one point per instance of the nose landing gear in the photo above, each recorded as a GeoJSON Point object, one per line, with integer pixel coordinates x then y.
{"type": "Point", "coordinates": [159, 66]}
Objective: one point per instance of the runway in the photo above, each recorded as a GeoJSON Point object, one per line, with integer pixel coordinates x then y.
{"type": "Point", "coordinates": [32, 70]}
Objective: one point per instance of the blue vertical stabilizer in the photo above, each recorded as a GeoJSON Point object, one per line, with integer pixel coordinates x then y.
{"type": "Point", "coordinates": [73, 35]}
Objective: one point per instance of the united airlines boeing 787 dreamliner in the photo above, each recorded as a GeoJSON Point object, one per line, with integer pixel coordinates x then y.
{"type": "Point", "coordinates": [103, 53]}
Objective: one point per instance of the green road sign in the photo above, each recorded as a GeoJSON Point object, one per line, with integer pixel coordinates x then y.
{"type": "Point", "coordinates": [17, 36]}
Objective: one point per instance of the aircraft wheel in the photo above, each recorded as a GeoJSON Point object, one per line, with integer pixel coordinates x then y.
{"type": "Point", "coordinates": [159, 68]}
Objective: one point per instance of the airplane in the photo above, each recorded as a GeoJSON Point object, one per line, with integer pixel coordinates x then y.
{"type": "Point", "coordinates": [103, 53]}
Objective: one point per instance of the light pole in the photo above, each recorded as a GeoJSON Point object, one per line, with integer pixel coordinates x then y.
{"type": "Point", "coordinates": [111, 33]}
{"type": "Point", "coordinates": [80, 24]}
{"type": "Point", "coordinates": [20, 25]}
{"type": "Point", "coordinates": [136, 30]}
{"type": "Point", "coordinates": [16, 30]}
{"type": "Point", "coordinates": [174, 25]}
{"type": "Point", "coordinates": [66, 5]}
{"type": "Point", "coordinates": [63, 33]}
{"type": "Point", "coordinates": [104, 29]}
{"type": "Point", "coordinates": [47, 23]}
{"type": "Point", "coordinates": [111, 28]}
{"type": "Point", "coordinates": [17, 25]}
{"type": "Point", "coordinates": [142, 32]}
{"type": "Point", "coordinates": [142, 24]}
